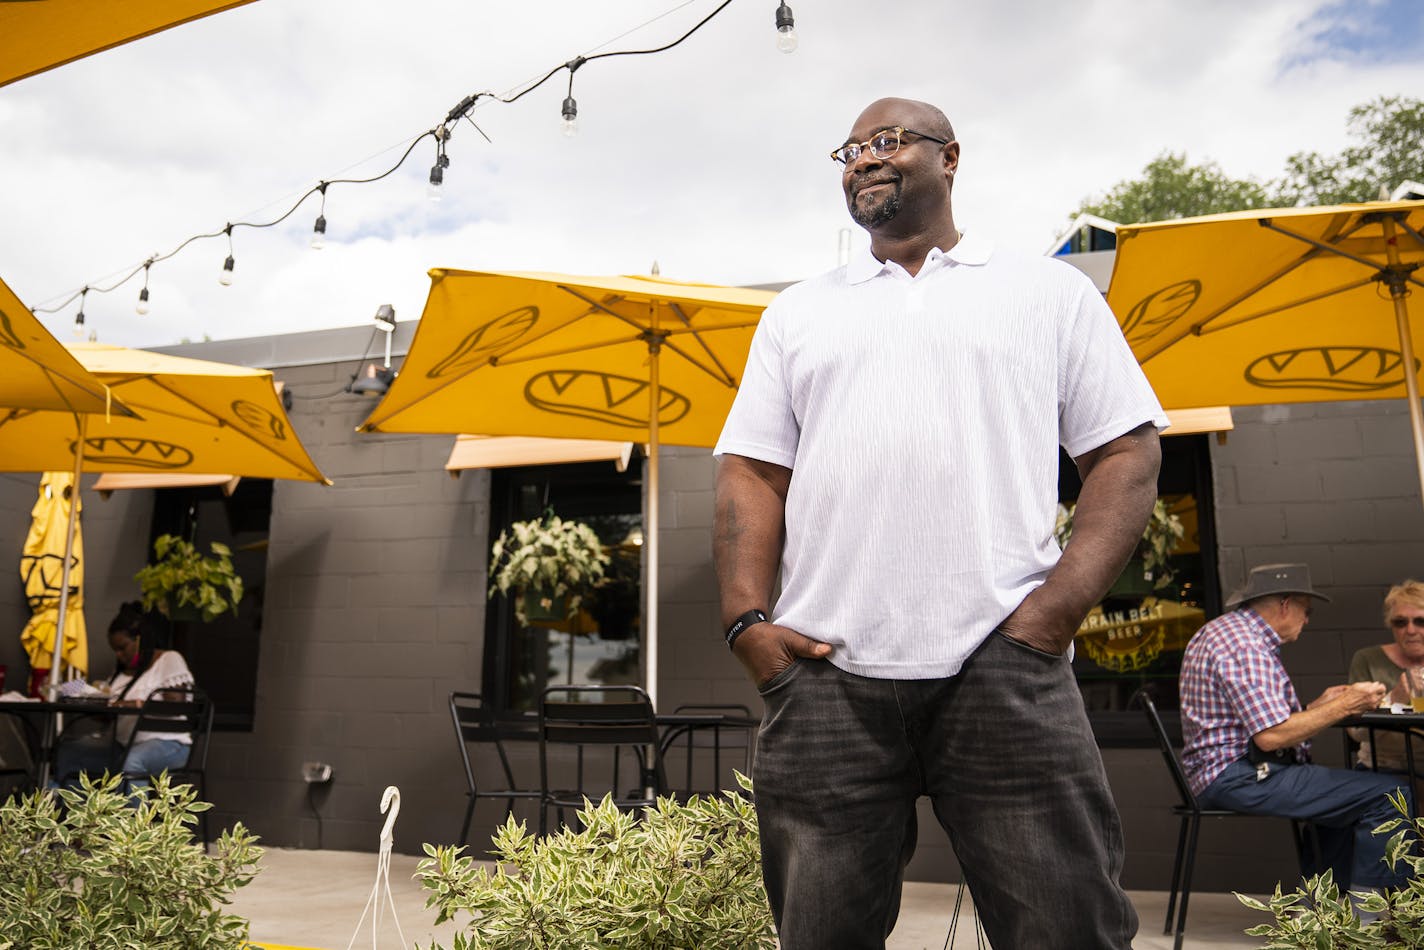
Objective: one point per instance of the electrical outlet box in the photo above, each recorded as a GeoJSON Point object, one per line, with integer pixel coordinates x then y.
{"type": "Point", "coordinates": [316, 773]}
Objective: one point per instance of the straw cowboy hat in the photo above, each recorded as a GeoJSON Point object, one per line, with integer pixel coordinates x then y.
{"type": "Point", "coordinates": [1275, 579]}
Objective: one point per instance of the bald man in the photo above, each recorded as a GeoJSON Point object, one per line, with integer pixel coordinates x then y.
{"type": "Point", "coordinates": [893, 452]}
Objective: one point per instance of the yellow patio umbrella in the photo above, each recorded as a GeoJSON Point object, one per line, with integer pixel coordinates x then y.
{"type": "Point", "coordinates": [193, 416]}
{"type": "Point", "coordinates": [554, 355]}
{"type": "Point", "coordinates": [35, 36]}
{"type": "Point", "coordinates": [37, 372]}
{"type": "Point", "coordinates": [1290, 305]}
{"type": "Point", "coordinates": [42, 569]}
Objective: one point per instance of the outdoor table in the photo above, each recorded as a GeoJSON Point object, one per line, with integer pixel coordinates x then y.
{"type": "Point", "coordinates": [1402, 722]}
{"type": "Point", "coordinates": [53, 711]}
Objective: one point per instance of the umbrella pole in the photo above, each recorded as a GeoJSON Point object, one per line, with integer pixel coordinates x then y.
{"type": "Point", "coordinates": [650, 530]}
{"type": "Point", "coordinates": [63, 612]}
{"type": "Point", "coordinates": [1394, 279]}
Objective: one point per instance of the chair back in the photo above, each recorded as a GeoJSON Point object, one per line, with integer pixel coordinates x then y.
{"type": "Point", "coordinates": [697, 740]}
{"type": "Point", "coordinates": [177, 710]}
{"type": "Point", "coordinates": [617, 718]}
{"type": "Point", "coordinates": [475, 725]}
{"type": "Point", "coordinates": [1164, 742]}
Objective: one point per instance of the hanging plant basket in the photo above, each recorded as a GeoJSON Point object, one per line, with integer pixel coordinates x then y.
{"type": "Point", "coordinates": [1133, 582]}
{"type": "Point", "coordinates": [542, 605]}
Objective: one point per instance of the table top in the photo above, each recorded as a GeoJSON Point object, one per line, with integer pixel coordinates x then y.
{"type": "Point", "coordinates": [98, 706]}
{"type": "Point", "coordinates": [1385, 719]}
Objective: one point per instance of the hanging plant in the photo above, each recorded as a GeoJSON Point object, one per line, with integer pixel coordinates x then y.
{"type": "Point", "coordinates": [183, 580]}
{"type": "Point", "coordinates": [1152, 557]}
{"type": "Point", "coordinates": [550, 565]}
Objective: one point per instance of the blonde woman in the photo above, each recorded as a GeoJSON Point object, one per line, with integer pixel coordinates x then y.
{"type": "Point", "coordinates": [1390, 663]}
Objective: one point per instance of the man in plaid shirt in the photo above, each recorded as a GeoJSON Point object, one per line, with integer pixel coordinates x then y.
{"type": "Point", "coordinates": [1246, 734]}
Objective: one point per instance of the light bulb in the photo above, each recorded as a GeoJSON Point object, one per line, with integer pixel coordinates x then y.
{"type": "Point", "coordinates": [570, 113]}
{"type": "Point", "coordinates": [142, 307]}
{"type": "Point", "coordinates": [318, 238]}
{"type": "Point", "coordinates": [785, 29]}
{"type": "Point", "coordinates": [437, 178]}
{"type": "Point", "coordinates": [225, 278]}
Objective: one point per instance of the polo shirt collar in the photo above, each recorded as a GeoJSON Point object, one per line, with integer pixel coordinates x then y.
{"type": "Point", "coordinates": [970, 250]}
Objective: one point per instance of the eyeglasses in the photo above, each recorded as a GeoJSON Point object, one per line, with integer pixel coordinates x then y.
{"type": "Point", "coordinates": [1399, 623]}
{"type": "Point", "coordinates": [882, 145]}
{"type": "Point", "coordinates": [1304, 602]}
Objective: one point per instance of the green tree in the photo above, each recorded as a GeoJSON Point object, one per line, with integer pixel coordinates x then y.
{"type": "Point", "coordinates": [1387, 149]}
{"type": "Point", "coordinates": [1170, 187]}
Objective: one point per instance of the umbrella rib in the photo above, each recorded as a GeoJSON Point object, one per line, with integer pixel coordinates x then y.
{"type": "Point", "coordinates": [527, 357]}
{"type": "Point", "coordinates": [726, 377]}
{"type": "Point", "coordinates": [1202, 329]}
{"type": "Point", "coordinates": [721, 375]}
{"type": "Point", "coordinates": [1329, 248]}
{"type": "Point", "coordinates": [598, 306]}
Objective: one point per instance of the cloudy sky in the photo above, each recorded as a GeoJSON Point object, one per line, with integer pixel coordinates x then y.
{"type": "Point", "coordinates": [709, 158]}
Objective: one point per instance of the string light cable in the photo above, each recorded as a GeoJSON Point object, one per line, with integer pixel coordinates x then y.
{"type": "Point", "coordinates": [441, 133]}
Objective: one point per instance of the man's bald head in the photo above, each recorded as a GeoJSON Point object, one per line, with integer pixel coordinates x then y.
{"type": "Point", "coordinates": [921, 115]}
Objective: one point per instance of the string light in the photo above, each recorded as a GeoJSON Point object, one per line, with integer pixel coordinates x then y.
{"type": "Point", "coordinates": [441, 133]}
{"type": "Point", "coordinates": [570, 107]}
{"type": "Point", "coordinates": [142, 307]}
{"type": "Point", "coordinates": [318, 238]}
{"type": "Point", "coordinates": [79, 317]}
{"type": "Point", "coordinates": [785, 29]}
{"type": "Point", "coordinates": [225, 278]}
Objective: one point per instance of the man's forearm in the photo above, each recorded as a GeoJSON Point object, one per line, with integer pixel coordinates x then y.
{"type": "Point", "coordinates": [1302, 725]}
{"type": "Point", "coordinates": [748, 530]}
{"type": "Point", "coordinates": [1119, 489]}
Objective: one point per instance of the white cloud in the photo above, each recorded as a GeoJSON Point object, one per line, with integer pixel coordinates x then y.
{"type": "Point", "coordinates": [709, 158]}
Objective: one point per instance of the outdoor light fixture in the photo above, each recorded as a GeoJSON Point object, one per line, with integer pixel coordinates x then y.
{"type": "Point", "coordinates": [79, 317]}
{"type": "Point", "coordinates": [442, 161]}
{"type": "Point", "coordinates": [378, 379]}
{"type": "Point", "coordinates": [785, 29]}
{"type": "Point", "coordinates": [437, 178]}
{"type": "Point", "coordinates": [142, 307]}
{"type": "Point", "coordinates": [318, 238]}
{"type": "Point", "coordinates": [225, 278]}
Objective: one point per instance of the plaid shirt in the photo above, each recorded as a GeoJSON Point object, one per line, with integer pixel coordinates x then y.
{"type": "Point", "coordinates": [1232, 686]}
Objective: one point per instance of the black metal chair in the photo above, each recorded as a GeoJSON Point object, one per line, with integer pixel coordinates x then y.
{"type": "Point", "coordinates": [610, 724]}
{"type": "Point", "coordinates": [1191, 814]}
{"type": "Point", "coordinates": [178, 711]}
{"type": "Point", "coordinates": [737, 736]}
{"type": "Point", "coordinates": [475, 726]}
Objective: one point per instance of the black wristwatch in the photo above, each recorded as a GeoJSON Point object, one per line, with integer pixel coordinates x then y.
{"type": "Point", "coordinates": [742, 623]}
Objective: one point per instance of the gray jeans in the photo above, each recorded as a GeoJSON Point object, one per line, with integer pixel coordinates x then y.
{"type": "Point", "coordinates": [1004, 752]}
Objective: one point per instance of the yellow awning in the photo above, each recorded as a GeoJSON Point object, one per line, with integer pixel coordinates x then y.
{"type": "Point", "coordinates": [494, 451]}
{"type": "Point", "coordinates": [37, 372]}
{"type": "Point", "coordinates": [111, 482]}
{"type": "Point", "coordinates": [1197, 421]}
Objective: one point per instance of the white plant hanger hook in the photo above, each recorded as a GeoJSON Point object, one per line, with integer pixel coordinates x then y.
{"type": "Point", "coordinates": [375, 906]}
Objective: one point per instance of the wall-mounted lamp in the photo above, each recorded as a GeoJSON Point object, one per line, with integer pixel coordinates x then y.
{"type": "Point", "coordinates": [378, 379]}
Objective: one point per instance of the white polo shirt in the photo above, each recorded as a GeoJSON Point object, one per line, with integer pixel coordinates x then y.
{"type": "Point", "coordinates": [921, 417]}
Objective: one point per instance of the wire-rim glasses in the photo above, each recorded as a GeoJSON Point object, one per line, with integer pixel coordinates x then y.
{"type": "Point", "coordinates": [882, 145]}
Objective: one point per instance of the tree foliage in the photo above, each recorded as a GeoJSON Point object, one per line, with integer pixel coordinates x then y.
{"type": "Point", "coordinates": [1170, 187]}
{"type": "Point", "coordinates": [1386, 149]}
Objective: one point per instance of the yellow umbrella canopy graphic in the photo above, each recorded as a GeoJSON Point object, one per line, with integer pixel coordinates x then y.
{"type": "Point", "coordinates": [42, 570]}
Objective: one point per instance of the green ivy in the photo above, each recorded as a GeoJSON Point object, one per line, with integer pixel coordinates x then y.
{"type": "Point", "coordinates": [676, 876]}
{"type": "Point", "coordinates": [182, 577]}
{"type": "Point", "coordinates": [103, 873]}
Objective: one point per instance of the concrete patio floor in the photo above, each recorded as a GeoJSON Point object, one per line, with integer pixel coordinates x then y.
{"type": "Point", "coordinates": [314, 899]}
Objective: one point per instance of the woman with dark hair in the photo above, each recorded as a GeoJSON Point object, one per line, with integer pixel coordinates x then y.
{"type": "Point", "coordinates": [144, 662]}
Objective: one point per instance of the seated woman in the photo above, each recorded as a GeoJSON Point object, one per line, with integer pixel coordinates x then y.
{"type": "Point", "coordinates": [143, 663]}
{"type": "Point", "coordinates": [1389, 664]}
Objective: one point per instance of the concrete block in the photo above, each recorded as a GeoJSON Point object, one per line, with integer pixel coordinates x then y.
{"type": "Point", "coordinates": [1327, 522]}
{"type": "Point", "coordinates": [1374, 478]}
{"type": "Point", "coordinates": [1386, 435]}
{"type": "Point", "coordinates": [1313, 439]}
{"type": "Point", "coordinates": [1240, 524]}
{"type": "Point", "coordinates": [1277, 483]}
{"type": "Point", "coordinates": [694, 510]}
{"type": "Point", "coordinates": [1248, 445]}
{"type": "Point", "coordinates": [685, 547]}
{"type": "Point", "coordinates": [1399, 520]}
{"type": "Point", "coordinates": [1318, 556]}
{"type": "Point", "coordinates": [1380, 563]}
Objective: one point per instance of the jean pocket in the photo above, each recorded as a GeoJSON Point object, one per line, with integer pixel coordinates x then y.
{"type": "Point", "coordinates": [1032, 650]}
{"type": "Point", "coordinates": [780, 678]}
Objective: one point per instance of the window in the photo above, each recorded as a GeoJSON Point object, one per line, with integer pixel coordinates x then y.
{"type": "Point", "coordinates": [602, 643]}
{"type": "Point", "coordinates": [223, 653]}
{"type": "Point", "coordinates": [1136, 635]}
